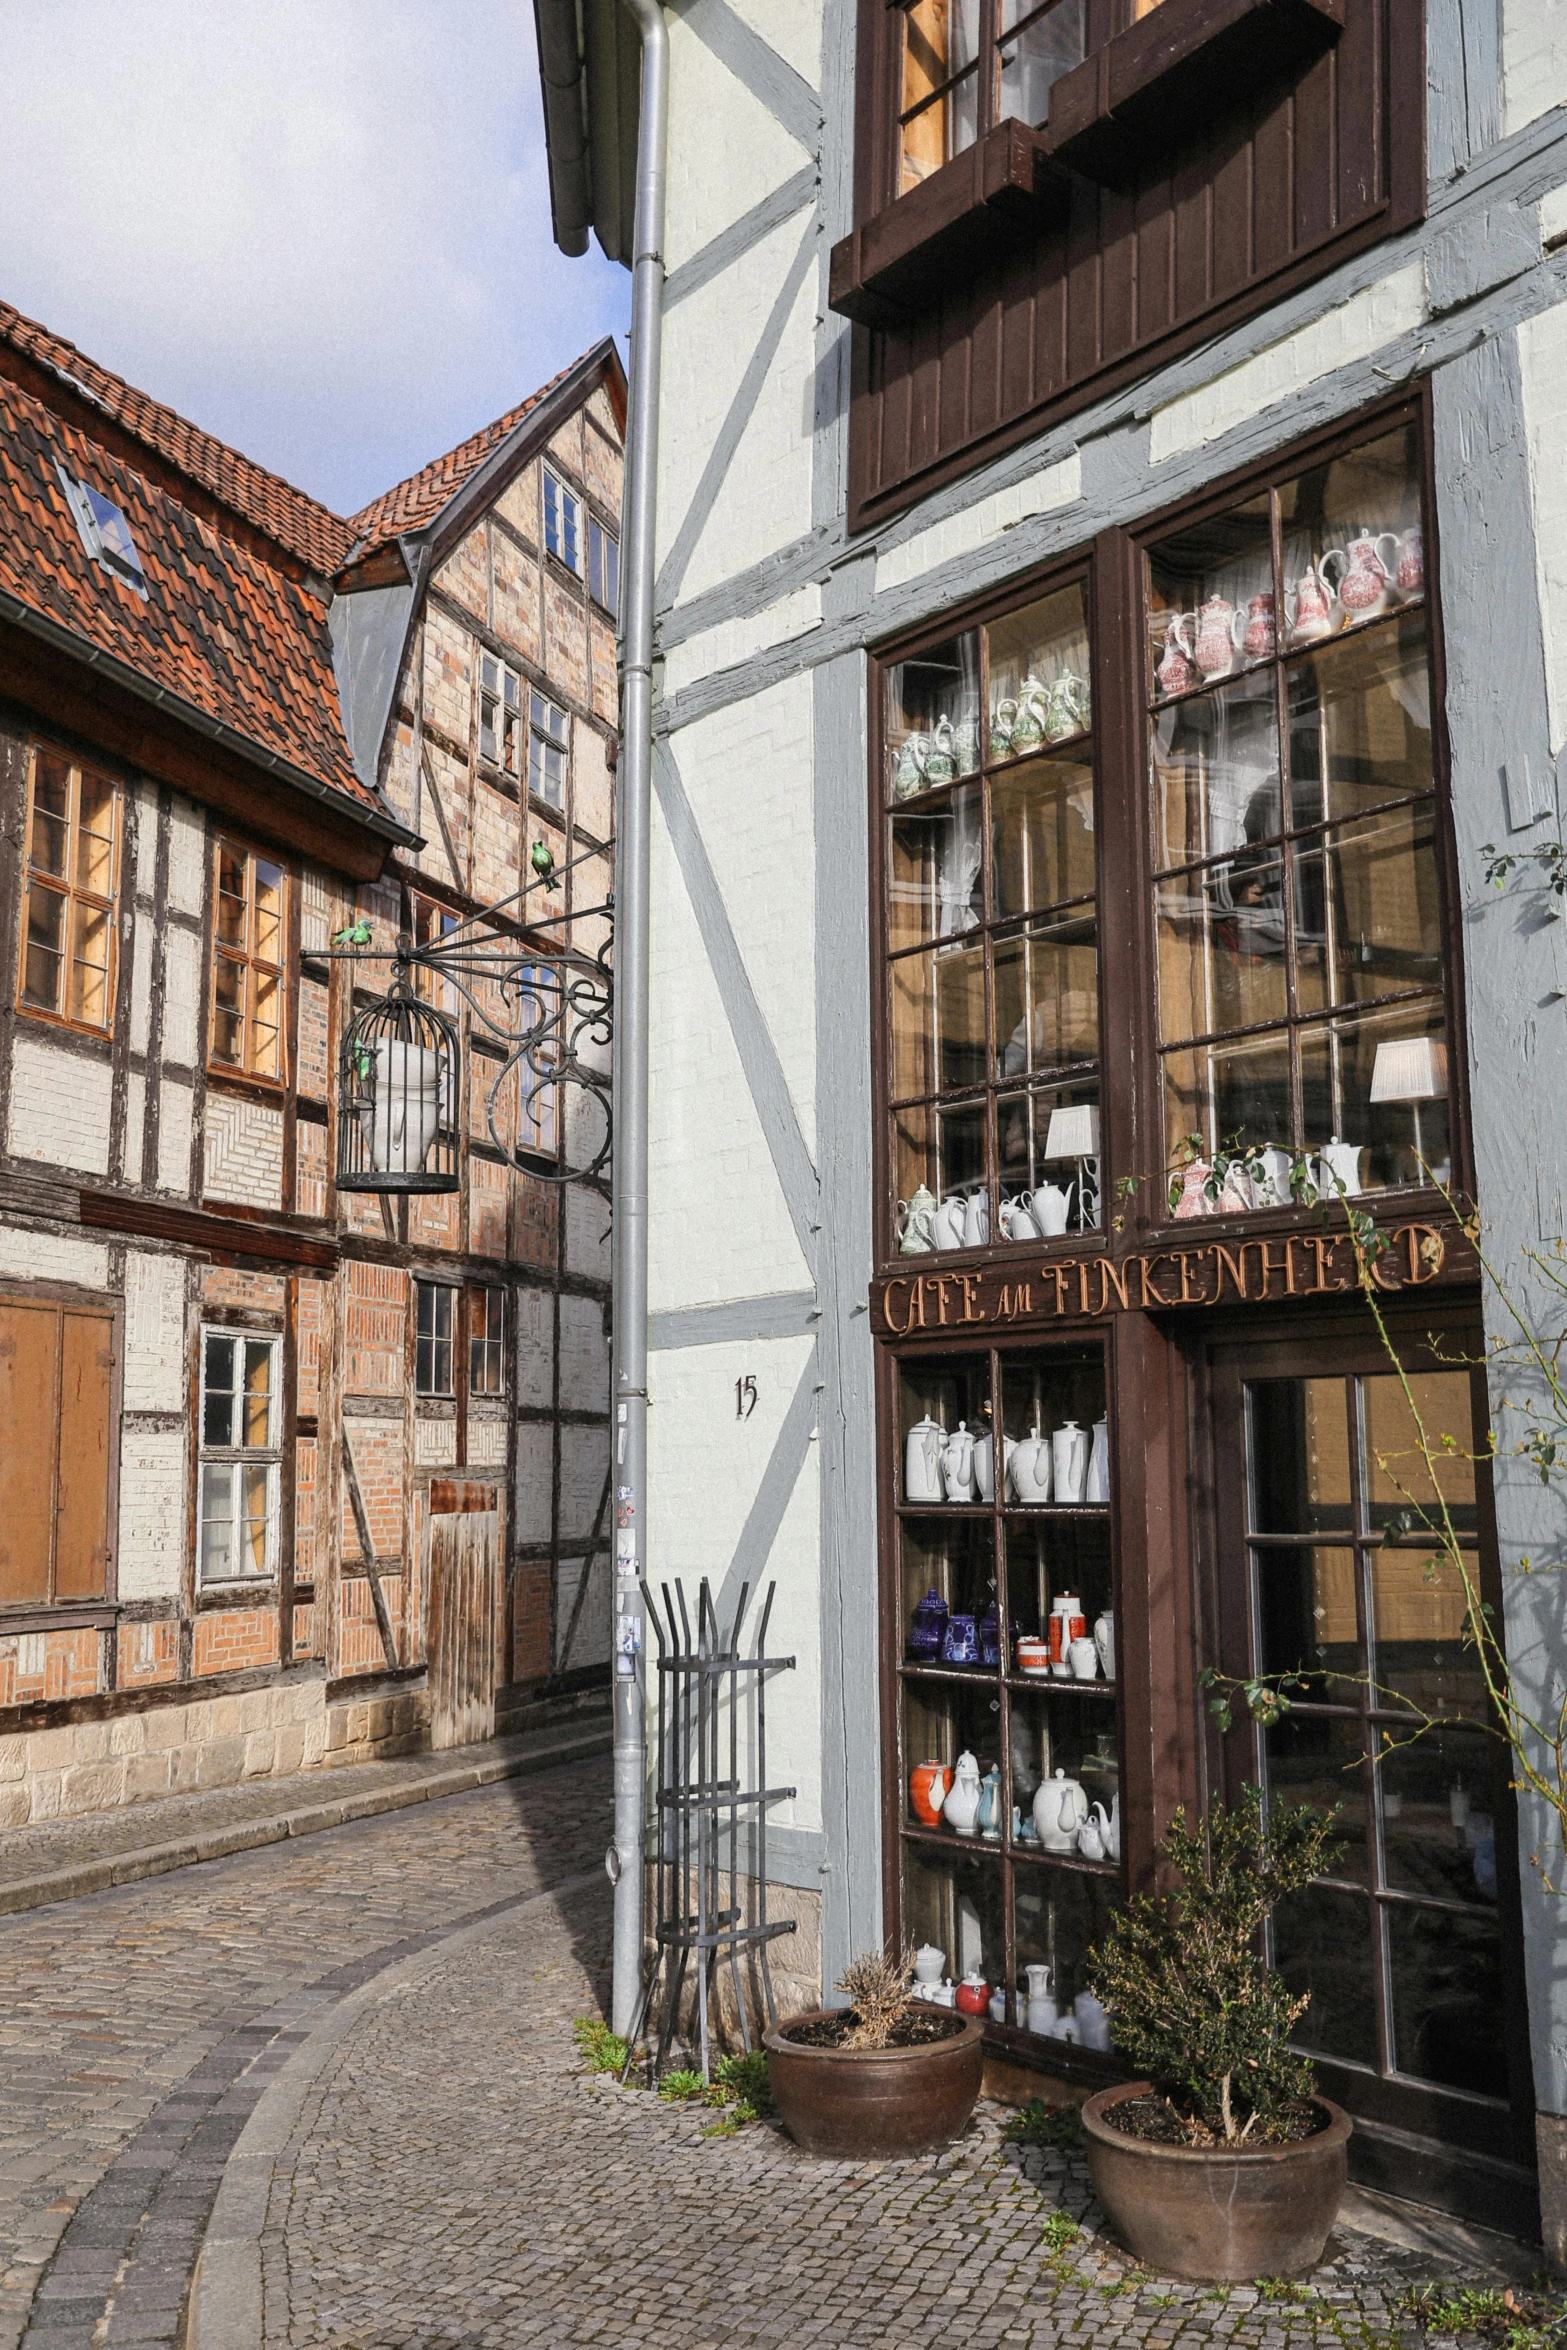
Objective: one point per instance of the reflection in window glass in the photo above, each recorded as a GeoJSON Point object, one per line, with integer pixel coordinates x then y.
{"type": "Point", "coordinates": [1038, 45]}
{"type": "Point", "coordinates": [1307, 1618]}
{"type": "Point", "coordinates": [1438, 1833]}
{"type": "Point", "coordinates": [1320, 1759]}
{"type": "Point", "coordinates": [1323, 1944]}
{"type": "Point", "coordinates": [938, 116]}
{"type": "Point", "coordinates": [933, 717]}
{"type": "Point", "coordinates": [433, 1338]}
{"type": "Point", "coordinates": [1216, 771]}
{"type": "Point", "coordinates": [1447, 1998]}
{"type": "Point", "coordinates": [1300, 1457]}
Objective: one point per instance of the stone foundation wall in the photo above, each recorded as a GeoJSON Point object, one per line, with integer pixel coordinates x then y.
{"type": "Point", "coordinates": [133, 1756]}
{"type": "Point", "coordinates": [377, 1729]}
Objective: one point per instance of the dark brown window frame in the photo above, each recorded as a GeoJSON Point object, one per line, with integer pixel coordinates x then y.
{"type": "Point", "coordinates": [911, 260]}
{"type": "Point", "coordinates": [1131, 1105]}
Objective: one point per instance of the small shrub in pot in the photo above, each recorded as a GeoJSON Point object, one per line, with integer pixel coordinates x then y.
{"type": "Point", "coordinates": [1222, 2163]}
{"type": "Point", "coordinates": [887, 2076]}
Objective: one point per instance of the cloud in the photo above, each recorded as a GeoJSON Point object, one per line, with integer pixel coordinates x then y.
{"type": "Point", "coordinates": [320, 228]}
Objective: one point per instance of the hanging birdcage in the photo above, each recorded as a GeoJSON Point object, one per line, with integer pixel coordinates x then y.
{"type": "Point", "coordinates": [398, 1096]}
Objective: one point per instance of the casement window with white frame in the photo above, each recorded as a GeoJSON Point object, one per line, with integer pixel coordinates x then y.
{"type": "Point", "coordinates": [241, 1456]}
{"type": "Point", "coordinates": [562, 523]}
{"type": "Point", "coordinates": [500, 715]}
{"type": "Point", "coordinates": [434, 1303]}
{"type": "Point", "coordinates": [549, 742]}
{"type": "Point", "coordinates": [603, 567]}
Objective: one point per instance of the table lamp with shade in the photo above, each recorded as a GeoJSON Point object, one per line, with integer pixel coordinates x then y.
{"type": "Point", "coordinates": [1412, 1069]}
{"type": "Point", "coordinates": [1073, 1133]}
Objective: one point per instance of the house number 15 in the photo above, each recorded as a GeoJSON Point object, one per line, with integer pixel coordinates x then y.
{"type": "Point", "coordinates": [745, 1397]}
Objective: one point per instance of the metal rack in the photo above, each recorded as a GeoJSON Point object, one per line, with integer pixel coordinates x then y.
{"type": "Point", "coordinates": [706, 1688]}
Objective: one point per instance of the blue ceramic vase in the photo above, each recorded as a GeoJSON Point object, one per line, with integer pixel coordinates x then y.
{"type": "Point", "coordinates": [925, 1633]}
{"type": "Point", "coordinates": [960, 1642]}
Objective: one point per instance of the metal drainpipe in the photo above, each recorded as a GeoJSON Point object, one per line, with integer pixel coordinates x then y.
{"type": "Point", "coordinates": [634, 782]}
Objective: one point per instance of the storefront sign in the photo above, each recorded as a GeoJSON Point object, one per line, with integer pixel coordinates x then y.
{"type": "Point", "coordinates": [1204, 1273]}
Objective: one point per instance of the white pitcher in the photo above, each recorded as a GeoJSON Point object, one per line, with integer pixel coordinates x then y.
{"type": "Point", "coordinates": [1031, 1467]}
{"type": "Point", "coordinates": [1340, 1160]}
{"type": "Point", "coordinates": [922, 1453]}
{"type": "Point", "coordinates": [961, 1809]}
{"type": "Point", "coordinates": [1093, 2021]}
{"type": "Point", "coordinates": [957, 1465]}
{"type": "Point", "coordinates": [976, 1220]}
{"type": "Point", "coordinates": [949, 1220]}
{"type": "Point", "coordinates": [404, 1110]}
{"type": "Point", "coordinates": [1049, 1207]}
{"type": "Point", "coordinates": [1069, 1461]}
{"type": "Point", "coordinates": [1060, 1808]}
{"type": "Point", "coordinates": [1104, 1641]}
{"type": "Point", "coordinates": [1097, 1485]}
{"type": "Point", "coordinates": [1016, 1221]}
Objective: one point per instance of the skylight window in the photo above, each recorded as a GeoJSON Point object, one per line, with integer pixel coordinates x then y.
{"type": "Point", "coordinates": [103, 530]}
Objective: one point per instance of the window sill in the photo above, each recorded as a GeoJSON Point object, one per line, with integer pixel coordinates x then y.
{"type": "Point", "coordinates": [1184, 60]}
{"type": "Point", "coordinates": [896, 263]}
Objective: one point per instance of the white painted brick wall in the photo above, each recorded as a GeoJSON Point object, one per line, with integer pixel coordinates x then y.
{"type": "Point", "coordinates": [584, 1457]}
{"type": "Point", "coordinates": [961, 534]}
{"type": "Point", "coordinates": [135, 1124]}
{"type": "Point", "coordinates": [47, 1256]}
{"type": "Point", "coordinates": [141, 983]}
{"type": "Point", "coordinates": [152, 1513]}
{"type": "Point", "coordinates": [182, 979]}
{"type": "Point", "coordinates": [735, 642]}
{"type": "Point", "coordinates": [176, 1112]}
{"type": "Point", "coordinates": [187, 859]}
{"type": "Point", "coordinates": [435, 1442]}
{"type": "Point", "coordinates": [535, 1345]}
{"type": "Point", "coordinates": [59, 1106]}
{"type": "Point", "coordinates": [741, 156]}
{"type": "Point", "coordinates": [244, 1151]}
{"type": "Point", "coordinates": [146, 837]}
{"type": "Point", "coordinates": [1542, 360]}
{"type": "Point", "coordinates": [535, 1469]}
{"type": "Point", "coordinates": [1534, 60]}
{"type": "Point", "coordinates": [486, 1444]}
{"type": "Point", "coordinates": [584, 1356]}
{"type": "Point", "coordinates": [1350, 331]}
{"type": "Point", "coordinates": [154, 1332]}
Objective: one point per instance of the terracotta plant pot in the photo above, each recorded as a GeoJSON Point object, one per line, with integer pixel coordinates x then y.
{"type": "Point", "coordinates": [1218, 2215]}
{"type": "Point", "coordinates": [861, 2104]}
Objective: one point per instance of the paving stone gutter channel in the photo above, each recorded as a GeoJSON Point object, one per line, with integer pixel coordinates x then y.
{"type": "Point", "coordinates": [210, 1825]}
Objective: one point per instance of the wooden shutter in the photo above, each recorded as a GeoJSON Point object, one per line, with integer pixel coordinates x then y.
{"type": "Point", "coordinates": [56, 1369]}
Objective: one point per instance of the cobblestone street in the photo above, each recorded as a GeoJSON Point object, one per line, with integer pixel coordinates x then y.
{"type": "Point", "coordinates": [360, 2047]}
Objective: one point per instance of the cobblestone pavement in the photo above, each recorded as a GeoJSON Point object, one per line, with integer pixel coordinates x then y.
{"type": "Point", "coordinates": [451, 2179]}
{"type": "Point", "coordinates": [137, 2026]}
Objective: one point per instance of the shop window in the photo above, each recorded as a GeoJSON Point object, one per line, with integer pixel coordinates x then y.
{"type": "Point", "coordinates": [487, 1342]}
{"type": "Point", "coordinates": [500, 715]}
{"type": "Point", "coordinates": [68, 929]}
{"type": "Point", "coordinates": [241, 1456]}
{"type": "Point", "coordinates": [433, 1302]}
{"type": "Point", "coordinates": [549, 741]}
{"type": "Point", "coordinates": [992, 932]}
{"type": "Point", "coordinates": [247, 964]}
{"type": "Point", "coordinates": [603, 567]}
{"type": "Point", "coordinates": [562, 522]}
{"type": "Point", "coordinates": [56, 1473]}
{"type": "Point", "coordinates": [1296, 895]}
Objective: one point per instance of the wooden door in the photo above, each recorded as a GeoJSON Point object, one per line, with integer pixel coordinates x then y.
{"type": "Point", "coordinates": [56, 1468]}
{"type": "Point", "coordinates": [462, 1578]}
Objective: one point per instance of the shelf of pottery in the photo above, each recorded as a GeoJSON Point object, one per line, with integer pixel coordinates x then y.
{"type": "Point", "coordinates": [1010, 1746]}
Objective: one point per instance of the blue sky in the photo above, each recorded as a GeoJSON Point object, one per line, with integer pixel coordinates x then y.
{"type": "Point", "coordinates": [319, 228]}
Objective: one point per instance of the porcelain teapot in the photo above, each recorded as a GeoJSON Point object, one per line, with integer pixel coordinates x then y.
{"type": "Point", "coordinates": [1016, 1221]}
{"type": "Point", "coordinates": [1060, 1808]}
{"type": "Point", "coordinates": [1033, 715]}
{"type": "Point", "coordinates": [908, 772]}
{"type": "Point", "coordinates": [1215, 650]}
{"type": "Point", "coordinates": [1069, 1465]}
{"type": "Point", "coordinates": [947, 1225]}
{"type": "Point", "coordinates": [1093, 2020]}
{"type": "Point", "coordinates": [985, 1463]}
{"type": "Point", "coordinates": [1050, 1207]}
{"type": "Point", "coordinates": [957, 1465]}
{"type": "Point", "coordinates": [1097, 1485]}
{"type": "Point", "coordinates": [1090, 1836]}
{"type": "Point", "coordinates": [1113, 1831]}
{"type": "Point", "coordinates": [1341, 1164]}
{"type": "Point", "coordinates": [961, 1808]}
{"type": "Point", "coordinates": [922, 1453]}
{"type": "Point", "coordinates": [941, 763]}
{"type": "Point", "coordinates": [1067, 711]}
{"type": "Point", "coordinates": [917, 1223]}
{"type": "Point", "coordinates": [1310, 610]}
{"type": "Point", "coordinates": [1031, 1467]}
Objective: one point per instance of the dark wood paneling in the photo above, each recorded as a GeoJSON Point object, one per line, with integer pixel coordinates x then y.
{"type": "Point", "coordinates": [1246, 206]}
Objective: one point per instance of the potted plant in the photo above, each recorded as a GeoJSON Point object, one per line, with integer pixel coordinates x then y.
{"type": "Point", "coordinates": [885, 2076]}
{"type": "Point", "coordinates": [1222, 2164]}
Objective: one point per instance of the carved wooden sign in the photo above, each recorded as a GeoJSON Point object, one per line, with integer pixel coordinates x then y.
{"type": "Point", "coordinates": [1237, 1270]}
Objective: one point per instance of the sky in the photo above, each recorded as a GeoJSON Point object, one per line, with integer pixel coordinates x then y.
{"type": "Point", "coordinates": [318, 228]}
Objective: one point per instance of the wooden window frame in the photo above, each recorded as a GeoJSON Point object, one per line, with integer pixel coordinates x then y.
{"type": "Point", "coordinates": [1131, 1103]}
{"type": "Point", "coordinates": [64, 1299]}
{"type": "Point", "coordinates": [502, 690]}
{"type": "Point", "coordinates": [68, 889]}
{"type": "Point", "coordinates": [565, 529]}
{"type": "Point", "coordinates": [435, 1338]}
{"type": "Point", "coordinates": [269, 1456]}
{"type": "Point", "coordinates": [603, 575]}
{"type": "Point", "coordinates": [487, 1345]}
{"type": "Point", "coordinates": [542, 740]}
{"type": "Point", "coordinates": [250, 963]}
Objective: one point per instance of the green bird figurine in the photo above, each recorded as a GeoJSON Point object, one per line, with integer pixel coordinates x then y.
{"type": "Point", "coordinates": [356, 935]}
{"type": "Point", "coordinates": [542, 859]}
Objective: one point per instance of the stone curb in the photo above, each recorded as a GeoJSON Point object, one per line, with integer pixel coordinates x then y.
{"type": "Point", "coordinates": [225, 2308]}
{"type": "Point", "coordinates": [154, 1860]}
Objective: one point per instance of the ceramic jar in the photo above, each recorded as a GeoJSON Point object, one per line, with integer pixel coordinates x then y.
{"type": "Point", "coordinates": [927, 1628]}
{"type": "Point", "coordinates": [1067, 1623]}
{"type": "Point", "coordinates": [928, 1785]}
{"type": "Point", "coordinates": [973, 1996]}
{"type": "Point", "coordinates": [922, 1451]}
{"type": "Point", "coordinates": [1033, 1657]}
{"type": "Point", "coordinates": [1340, 1163]}
{"type": "Point", "coordinates": [960, 1641]}
{"type": "Point", "coordinates": [1215, 650]}
{"type": "Point", "coordinates": [1093, 2021]}
{"type": "Point", "coordinates": [930, 1964]}
{"type": "Point", "coordinates": [1041, 2010]}
{"type": "Point", "coordinates": [1083, 1657]}
{"type": "Point", "coordinates": [961, 1807]}
{"type": "Point", "coordinates": [989, 1630]}
{"type": "Point", "coordinates": [1069, 1462]}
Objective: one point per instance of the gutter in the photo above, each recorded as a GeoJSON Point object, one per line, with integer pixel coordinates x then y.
{"type": "Point", "coordinates": [565, 125]}
{"type": "Point", "coordinates": [625, 1859]}
{"type": "Point", "coordinates": [121, 673]}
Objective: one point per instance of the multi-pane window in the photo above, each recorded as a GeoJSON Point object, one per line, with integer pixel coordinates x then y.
{"type": "Point", "coordinates": [73, 839]}
{"type": "Point", "coordinates": [433, 1338]}
{"type": "Point", "coordinates": [247, 963]}
{"type": "Point", "coordinates": [538, 1015]}
{"type": "Point", "coordinates": [966, 64]}
{"type": "Point", "coordinates": [241, 1455]}
{"type": "Point", "coordinates": [993, 1067]}
{"type": "Point", "coordinates": [500, 715]}
{"type": "Point", "coordinates": [1297, 904]}
{"type": "Point", "coordinates": [487, 1342]}
{"type": "Point", "coordinates": [549, 738]}
{"type": "Point", "coordinates": [562, 522]}
{"type": "Point", "coordinates": [603, 566]}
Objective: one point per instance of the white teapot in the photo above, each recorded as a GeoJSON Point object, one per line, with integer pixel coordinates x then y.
{"type": "Point", "coordinates": [1031, 1457]}
{"type": "Point", "coordinates": [961, 1809]}
{"type": "Point", "coordinates": [922, 1453]}
{"type": "Point", "coordinates": [957, 1465]}
{"type": "Point", "coordinates": [984, 1466]}
{"type": "Point", "coordinates": [1049, 1207]}
{"type": "Point", "coordinates": [1070, 1472]}
{"type": "Point", "coordinates": [947, 1225]}
{"type": "Point", "coordinates": [1340, 1162]}
{"type": "Point", "coordinates": [1060, 1808]}
{"type": "Point", "coordinates": [1096, 1838]}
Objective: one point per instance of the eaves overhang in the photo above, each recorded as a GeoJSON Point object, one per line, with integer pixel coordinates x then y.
{"type": "Point", "coordinates": [590, 64]}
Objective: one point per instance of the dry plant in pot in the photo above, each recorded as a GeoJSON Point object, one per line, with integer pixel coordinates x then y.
{"type": "Point", "coordinates": [1222, 2164]}
{"type": "Point", "coordinates": [885, 2076]}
